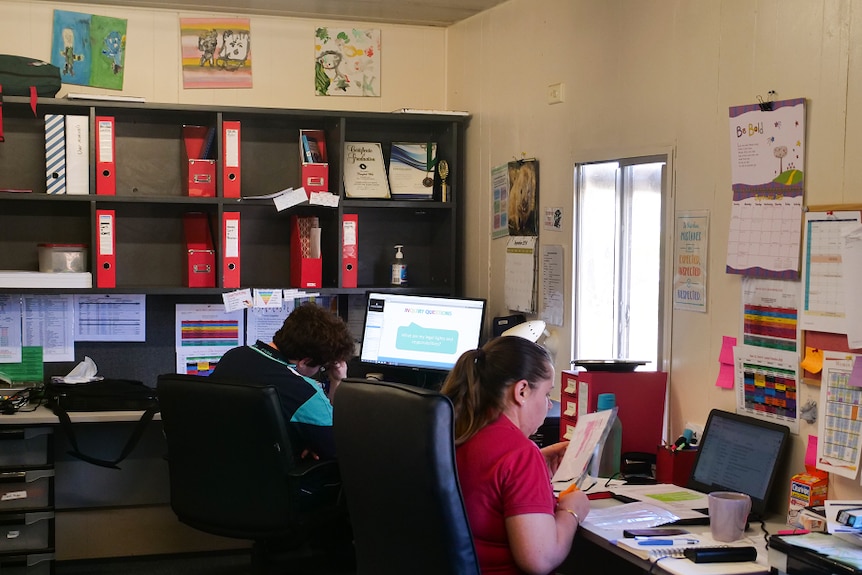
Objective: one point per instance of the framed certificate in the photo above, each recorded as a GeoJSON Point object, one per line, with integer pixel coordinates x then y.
{"type": "Point", "coordinates": [364, 170]}
{"type": "Point", "coordinates": [411, 170]}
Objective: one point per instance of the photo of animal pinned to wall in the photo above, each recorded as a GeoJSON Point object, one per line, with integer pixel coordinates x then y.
{"type": "Point", "coordinates": [216, 52]}
{"type": "Point", "coordinates": [523, 198]}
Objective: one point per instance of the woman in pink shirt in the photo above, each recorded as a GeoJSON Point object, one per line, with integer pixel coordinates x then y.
{"type": "Point", "coordinates": [501, 394]}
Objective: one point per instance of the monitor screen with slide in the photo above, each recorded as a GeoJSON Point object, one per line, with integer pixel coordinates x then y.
{"type": "Point", "coordinates": [424, 332]}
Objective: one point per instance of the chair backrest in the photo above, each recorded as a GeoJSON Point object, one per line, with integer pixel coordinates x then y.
{"type": "Point", "coordinates": [396, 453]}
{"type": "Point", "coordinates": [229, 455]}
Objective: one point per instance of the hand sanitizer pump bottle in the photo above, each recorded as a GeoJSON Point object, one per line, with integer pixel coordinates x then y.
{"type": "Point", "coordinates": [606, 457]}
{"type": "Point", "coordinates": [399, 268]}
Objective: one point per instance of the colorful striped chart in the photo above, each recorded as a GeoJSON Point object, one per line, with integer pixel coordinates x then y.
{"type": "Point", "coordinates": [770, 390]}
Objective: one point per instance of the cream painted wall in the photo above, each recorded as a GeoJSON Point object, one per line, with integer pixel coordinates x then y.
{"type": "Point", "coordinates": [412, 62]}
{"type": "Point", "coordinates": [640, 76]}
{"type": "Point", "coordinates": [645, 75]}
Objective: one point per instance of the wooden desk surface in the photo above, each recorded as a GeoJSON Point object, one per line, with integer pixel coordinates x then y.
{"type": "Point", "coordinates": [44, 416]}
{"type": "Point", "coordinates": [595, 552]}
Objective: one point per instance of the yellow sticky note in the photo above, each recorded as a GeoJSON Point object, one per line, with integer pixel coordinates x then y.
{"type": "Point", "coordinates": [813, 361]}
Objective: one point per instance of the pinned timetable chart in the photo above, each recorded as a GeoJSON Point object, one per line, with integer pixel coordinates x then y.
{"type": "Point", "coordinates": [822, 270]}
{"type": "Point", "coordinates": [839, 427]}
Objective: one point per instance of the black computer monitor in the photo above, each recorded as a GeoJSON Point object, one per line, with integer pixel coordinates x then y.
{"type": "Point", "coordinates": [421, 332]}
{"type": "Point", "coordinates": [739, 453]}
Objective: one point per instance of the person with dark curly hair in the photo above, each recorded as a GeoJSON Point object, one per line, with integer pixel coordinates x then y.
{"type": "Point", "coordinates": [312, 338]}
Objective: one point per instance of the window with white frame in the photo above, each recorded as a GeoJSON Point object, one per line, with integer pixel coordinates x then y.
{"type": "Point", "coordinates": [621, 208]}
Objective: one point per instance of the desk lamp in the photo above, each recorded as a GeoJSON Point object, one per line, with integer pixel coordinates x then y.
{"type": "Point", "coordinates": [531, 330]}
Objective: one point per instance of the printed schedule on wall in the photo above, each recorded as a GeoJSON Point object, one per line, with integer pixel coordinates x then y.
{"type": "Point", "coordinates": [767, 381]}
{"type": "Point", "coordinates": [839, 428]}
{"type": "Point", "coordinates": [823, 306]}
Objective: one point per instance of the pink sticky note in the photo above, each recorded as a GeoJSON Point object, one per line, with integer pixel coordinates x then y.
{"type": "Point", "coordinates": [725, 376]}
{"type": "Point", "coordinates": [811, 452]}
{"type": "Point", "coordinates": [727, 345]}
{"type": "Point", "coordinates": [856, 373]}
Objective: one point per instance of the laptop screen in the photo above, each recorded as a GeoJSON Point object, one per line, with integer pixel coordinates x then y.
{"type": "Point", "coordinates": [739, 453]}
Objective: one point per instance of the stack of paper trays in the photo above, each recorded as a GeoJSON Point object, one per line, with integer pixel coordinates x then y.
{"type": "Point", "coordinates": [23, 279]}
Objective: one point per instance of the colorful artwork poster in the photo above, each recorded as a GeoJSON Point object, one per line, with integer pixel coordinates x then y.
{"type": "Point", "coordinates": [346, 62]}
{"type": "Point", "coordinates": [216, 52]}
{"type": "Point", "coordinates": [90, 50]}
{"type": "Point", "coordinates": [767, 148]}
{"type": "Point", "coordinates": [689, 278]}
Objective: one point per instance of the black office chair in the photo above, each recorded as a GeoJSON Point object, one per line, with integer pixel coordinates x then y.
{"type": "Point", "coordinates": [233, 471]}
{"type": "Point", "coordinates": [396, 452]}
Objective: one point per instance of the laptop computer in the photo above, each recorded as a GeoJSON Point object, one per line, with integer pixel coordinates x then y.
{"type": "Point", "coordinates": [738, 453]}
{"type": "Point", "coordinates": [735, 453]}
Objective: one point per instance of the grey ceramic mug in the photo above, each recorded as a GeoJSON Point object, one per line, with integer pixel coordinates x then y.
{"type": "Point", "coordinates": [728, 513]}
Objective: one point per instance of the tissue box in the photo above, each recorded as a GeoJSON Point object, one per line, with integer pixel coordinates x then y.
{"type": "Point", "coordinates": [62, 258]}
{"type": "Point", "coordinates": [806, 490]}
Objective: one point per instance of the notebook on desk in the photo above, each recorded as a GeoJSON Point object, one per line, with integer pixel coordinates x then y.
{"type": "Point", "coordinates": [735, 453]}
{"type": "Point", "coordinates": [672, 558]}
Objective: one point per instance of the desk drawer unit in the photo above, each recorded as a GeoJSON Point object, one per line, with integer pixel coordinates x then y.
{"type": "Point", "coordinates": [26, 500]}
{"type": "Point", "coordinates": [33, 564]}
{"type": "Point", "coordinates": [31, 489]}
{"type": "Point", "coordinates": [26, 532]}
{"type": "Point", "coordinates": [25, 446]}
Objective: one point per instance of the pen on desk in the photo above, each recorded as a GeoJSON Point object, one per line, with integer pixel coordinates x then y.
{"type": "Point", "coordinates": [668, 542]}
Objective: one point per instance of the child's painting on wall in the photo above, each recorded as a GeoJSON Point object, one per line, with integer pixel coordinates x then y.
{"type": "Point", "coordinates": [90, 50]}
{"type": "Point", "coordinates": [346, 62]}
{"type": "Point", "coordinates": [216, 52]}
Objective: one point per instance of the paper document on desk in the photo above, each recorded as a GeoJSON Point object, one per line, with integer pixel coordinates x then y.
{"type": "Point", "coordinates": [610, 522]}
{"type": "Point", "coordinates": [591, 429]}
{"type": "Point", "coordinates": [828, 546]}
{"type": "Point", "coordinates": [681, 501]}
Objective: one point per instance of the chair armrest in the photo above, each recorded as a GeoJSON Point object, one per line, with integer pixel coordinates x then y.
{"type": "Point", "coordinates": [315, 467]}
{"type": "Point", "coordinates": [315, 484]}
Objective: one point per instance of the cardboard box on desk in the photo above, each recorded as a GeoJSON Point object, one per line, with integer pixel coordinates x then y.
{"type": "Point", "coordinates": [315, 168]}
{"type": "Point", "coordinates": [806, 490]}
{"type": "Point", "coordinates": [199, 173]}
{"type": "Point", "coordinates": [306, 265]}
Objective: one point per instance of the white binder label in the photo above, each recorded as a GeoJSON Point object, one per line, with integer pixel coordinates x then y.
{"type": "Point", "coordinates": [231, 232]}
{"type": "Point", "coordinates": [231, 148]}
{"type": "Point", "coordinates": [106, 235]}
{"type": "Point", "coordinates": [106, 142]}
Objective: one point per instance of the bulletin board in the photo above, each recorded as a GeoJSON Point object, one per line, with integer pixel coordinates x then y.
{"type": "Point", "coordinates": [819, 218]}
